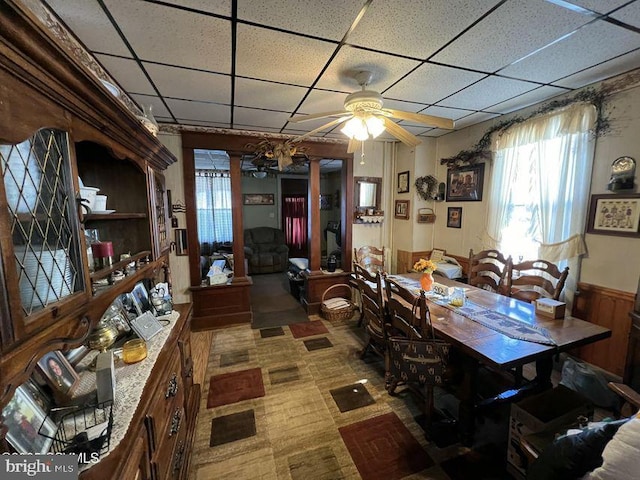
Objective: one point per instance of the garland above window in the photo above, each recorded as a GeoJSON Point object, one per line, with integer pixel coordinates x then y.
{"type": "Point", "coordinates": [482, 149]}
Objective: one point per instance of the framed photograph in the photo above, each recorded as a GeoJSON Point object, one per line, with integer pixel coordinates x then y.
{"type": "Point", "coordinates": [454, 217]}
{"type": "Point", "coordinates": [258, 198]}
{"type": "Point", "coordinates": [140, 299]}
{"type": "Point", "coordinates": [403, 182]}
{"type": "Point", "coordinates": [326, 202]}
{"type": "Point", "coordinates": [402, 209]}
{"type": "Point", "coordinates": [58, 373]}
{"type": "Point", "coordinates": [614, 214]}
{"type": "Point", "coordinates": [465, 184]}
{"type": "Point", "coordinates": [24, 419]}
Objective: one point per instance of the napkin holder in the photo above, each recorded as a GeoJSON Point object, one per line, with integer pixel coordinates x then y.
{"type": "Point", "coordinates": [548, 307]}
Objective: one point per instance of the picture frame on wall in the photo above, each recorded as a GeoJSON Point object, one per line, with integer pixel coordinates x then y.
{"type": "Point", "coordinates": [465, 184]}
{"type": "Point", "coordinates": [258, 199]}
{"type": "Point", "coordinates": [402, 209]}
{"type": "Point", "coordinates": [403, 182]}
{"type": "Point", "coordinates": [454, 217]}
{"type": "Point", "coordinates": [614, 214]}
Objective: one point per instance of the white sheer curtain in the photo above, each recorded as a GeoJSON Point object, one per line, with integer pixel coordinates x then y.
{"type": "Point", "coordinates": [540, 187]}
{"type": "Point", "coordinates": [213, 203]}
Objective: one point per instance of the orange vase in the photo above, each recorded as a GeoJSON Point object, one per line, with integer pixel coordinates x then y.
{"type": "Point", "coordinates": [426, 281]}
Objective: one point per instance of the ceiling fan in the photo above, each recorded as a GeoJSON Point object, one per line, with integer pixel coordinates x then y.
{"type": "Point", "coordinates": [364, 117]}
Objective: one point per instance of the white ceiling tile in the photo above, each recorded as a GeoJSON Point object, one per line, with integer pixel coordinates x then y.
{"type": "Point", "coordinates": [256, 128]}
{"type": "Point", "coordinates": [436, 132]}
{"type": "Point", "coordinates": [201, 123]}
{"type": "Point", "coordinates": [404, 106]}
{"type": "Point", "coordinates": [127, 73]}
{"type": "Point", "coordinates": [183, 83]}
{"type": "Point", "coordinates": [199, 111]}
{"type": "Point", "coordinates": [275, 96]}
{"type": "Point", "coordinates": [415, 29]}
{"type": "Point", "coordinates": [91, 25]}
{"type": "Point", "coordinates": [158, 109]}
{"type": "Point", "coordinates": [475, 118]}
{"type": "Point", "coordinates": [570, 55]}
{"type": "Point", "coordinates": [526, 99]}
{"type": "Point", "coordinates": [515, 29]}
{"type": "Point", "coordinates": [298, 60]}
{"type": "Point", "coordinates": [320, 101]}
{"type": "Point", "coordinates": [415, 129]}
{"type": "Point", "coordinates": [255, 117]}
{"type": "Point", "coordinates": [600, 72]}
{"type": "Point", "coordinates": [386, 69]}
{"type": "Point", "coordinates": [169, 35]}
{"type": "Point", "coordinates": [430, 83]}
{"type": "Point", "coordinates": [329, 20]}
{"type": "Point", "coordinates": [219, 7]}
{"type": "Point", "coordinates": [599, 6]}
{"type": "Point", "coordinates": [452, 113]}
{"type": "Point", "coordinates": [629, 14]}
{"type": "Point", "coordinates": [487, 92]}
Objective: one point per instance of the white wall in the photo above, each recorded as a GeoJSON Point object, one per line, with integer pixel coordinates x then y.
{"type": "Point", "coordinates": [175, 183]}
{"type": "Point", "coordinates": [261, 215]}
{"type": "Point", "coordinates": [612, 262]}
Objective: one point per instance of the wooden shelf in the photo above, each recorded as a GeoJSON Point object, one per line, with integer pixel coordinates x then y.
{"type": "Point", "coordinates": [114, 216]}
{"type": "Point", "coordinates": [121, 265]}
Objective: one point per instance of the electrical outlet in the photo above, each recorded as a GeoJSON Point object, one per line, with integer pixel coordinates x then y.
{"type": "Point", "coordinates": [174, 222]}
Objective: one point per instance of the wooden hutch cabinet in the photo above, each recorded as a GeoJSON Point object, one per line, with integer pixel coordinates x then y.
{"type": "Point", "coordinates": [60, 124]}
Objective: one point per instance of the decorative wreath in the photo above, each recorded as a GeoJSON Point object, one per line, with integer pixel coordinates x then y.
{"type": "Point", "coordinates": [426, 187]}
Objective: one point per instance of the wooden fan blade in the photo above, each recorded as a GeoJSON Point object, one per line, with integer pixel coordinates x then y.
{"type": "Point", "coordinates": [304, 118]}
{"type": "Point", "coordinates": [430, 120]}
{"type": "Point", "coordinates": [400, 133]}
{"type": "Point", "coordinates": [354, 145]}
{"type": "Point", "coordinates": [316, 130]}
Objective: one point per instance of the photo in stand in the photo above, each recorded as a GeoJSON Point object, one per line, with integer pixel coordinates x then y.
{"type": "Point", "coordinates": [24, 419]}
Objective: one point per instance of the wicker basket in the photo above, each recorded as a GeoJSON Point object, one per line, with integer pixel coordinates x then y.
{"type": "Point", "coordinates": [337, 309]}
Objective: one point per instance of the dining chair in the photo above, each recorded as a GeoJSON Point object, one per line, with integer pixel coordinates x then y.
{"type": "Point", "coordinates": [532, 279]}
{"type": "Point", "coordinates": [375, 318]}
{"type": "Point", "coordinates": [488, 269]}
{"type": "Point", "coordinates": [369, 257]}
{"type": "Point", "coordinates": [416, 356]}
{"type": "Point", "coordinates": [369, 278]}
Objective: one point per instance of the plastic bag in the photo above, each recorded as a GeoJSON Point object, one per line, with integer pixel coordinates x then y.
{"type": "Point", "coordinates": [583, 379]}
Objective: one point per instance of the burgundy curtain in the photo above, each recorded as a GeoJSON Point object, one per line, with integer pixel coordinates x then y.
{"type": "Point", "coordinates": [295, 221]}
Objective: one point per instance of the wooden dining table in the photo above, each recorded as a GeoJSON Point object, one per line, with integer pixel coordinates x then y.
{"type": "Point", "coordinates": [480, 345]}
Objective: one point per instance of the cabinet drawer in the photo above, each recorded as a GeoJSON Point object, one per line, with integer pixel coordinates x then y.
{"type": "Point", "coordinates": [168, 397]}
{"type": "Point", "coordinates": [167, 461]}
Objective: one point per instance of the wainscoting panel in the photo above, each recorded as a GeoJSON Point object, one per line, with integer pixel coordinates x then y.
{"type": "Point", "coordinates": [611, 309]}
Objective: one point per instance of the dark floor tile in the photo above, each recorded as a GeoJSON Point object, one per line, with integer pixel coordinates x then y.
{"type": "Point", "coordinates": [271, 332]}
{"type": "Point", "coordinates": [230, 428]}
{"type": "Point", "coordinates": [235, 387]}
{"type": "Point", "coordinates": [318, 464]}
{"type": "Point", "coordinates": [283, 375]}
{"type": "Point", "coordinates": [352, 397]}
{"type": "Point", "coordinates": [317, 343]}
{"type": "Point", "coordinates": [233, 358]}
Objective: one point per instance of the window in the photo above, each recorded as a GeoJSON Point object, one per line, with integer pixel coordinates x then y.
{"type": "Point", "coordinates": [213, 204]}
{"type": "Point", "coordinates": [540, 186]}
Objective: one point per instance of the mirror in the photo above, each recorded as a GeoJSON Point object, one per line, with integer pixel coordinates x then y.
{"type": "Point", "coordinates": [367, 193]}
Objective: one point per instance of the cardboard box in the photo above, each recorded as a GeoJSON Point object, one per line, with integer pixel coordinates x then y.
{"type": "Point", "coordinates": [549, 307]}
{"type": "Point", "coordinates": [550, 410]}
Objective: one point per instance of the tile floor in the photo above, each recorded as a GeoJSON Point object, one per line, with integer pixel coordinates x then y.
{"type": "Point", "coordinates": [316, 391]}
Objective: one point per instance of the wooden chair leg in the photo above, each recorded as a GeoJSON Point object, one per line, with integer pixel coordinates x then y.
{"type": "Point", "coordinates": [428, 405]}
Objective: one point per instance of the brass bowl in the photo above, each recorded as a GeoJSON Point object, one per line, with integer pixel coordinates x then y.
{"type": "Point", "coordinates": [102, 337]}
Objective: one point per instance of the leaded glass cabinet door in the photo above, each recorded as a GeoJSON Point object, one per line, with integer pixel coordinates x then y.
{"type": "Point", "coordinates": [160, 211]}
{"type": "Point", "coordinates": [45, 266]}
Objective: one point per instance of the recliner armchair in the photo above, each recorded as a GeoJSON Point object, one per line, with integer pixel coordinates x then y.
{"type": "Point", "coordinates": [265, 250]}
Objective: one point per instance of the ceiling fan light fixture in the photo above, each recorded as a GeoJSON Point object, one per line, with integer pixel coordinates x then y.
{"type": "Point", "coordinates": [361, 128]}
{"type": "Point", "coordinates": [259, 174]}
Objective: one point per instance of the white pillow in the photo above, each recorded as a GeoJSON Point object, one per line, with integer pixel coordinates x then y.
{"type": "Point", "coordinates": [621, 456]}
{"type": "Point", "coordinates": [301, 263]}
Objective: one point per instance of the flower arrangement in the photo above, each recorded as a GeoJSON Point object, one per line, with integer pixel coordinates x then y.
{"type": "Point", "coordinates": [426, 266]}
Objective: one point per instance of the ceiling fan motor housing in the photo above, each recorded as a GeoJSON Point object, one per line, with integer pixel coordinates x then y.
{"type": "Point", "coordinates": [363, 100]}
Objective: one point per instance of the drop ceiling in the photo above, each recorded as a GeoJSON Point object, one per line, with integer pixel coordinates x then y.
{"type": "Point", "coordinates": [250, 65]}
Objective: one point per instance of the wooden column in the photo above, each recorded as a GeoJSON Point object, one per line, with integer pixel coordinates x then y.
{"type": "Point", "coordinates": [313, 225]}
{"type": "Point", "coordinates": [239, 272]}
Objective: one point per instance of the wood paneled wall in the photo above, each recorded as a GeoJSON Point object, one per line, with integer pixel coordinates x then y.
{"type": "Point", "coordinates": [611, 309]}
